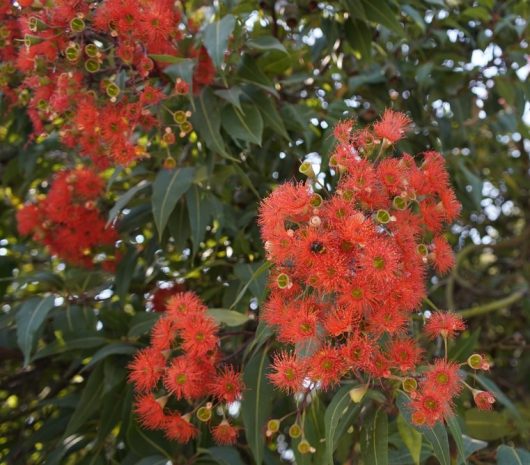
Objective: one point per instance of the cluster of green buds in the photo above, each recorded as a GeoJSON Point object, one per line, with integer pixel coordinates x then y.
{"type": "Point", "coordinates": [181, 119]}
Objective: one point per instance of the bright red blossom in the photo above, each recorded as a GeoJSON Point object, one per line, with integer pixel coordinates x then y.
{"type": "Point", "coordinates": [445, 324]}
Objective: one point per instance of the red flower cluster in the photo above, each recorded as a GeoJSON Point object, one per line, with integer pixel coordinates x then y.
{"type": "Point", "coordinates": [87, 69]}
{"type": "Point", "coordinates": [183, 363]}
{"type": "Point", "coordinates": [350, 266]}
{"type": "Point", "coordinates": [67, 220]}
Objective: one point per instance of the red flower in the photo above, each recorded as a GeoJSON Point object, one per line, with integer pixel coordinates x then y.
{"type": "Point", "coordinates": [289, 372]}
{"type": "Point", "coordinates": [151, 411]}
{"type": "Point", "coordinates": [445, 324]}
{"type": "Point", "coordinates": [179, 428]}
{"type": "Point", "coordinates": [146, 369]}
{"type": "Point", "coordinates": [429, 407]}
{"type": "Point", "coordinates": [443, 377]}
{"type": "Point", "coordinates": [225, 434]}
{"type": "Point", "coordinates": [227, 385]}
{"type": "Point", "coordinates": [392, 126]}
{"type": "Point", "coordinates": [183, 378]}
{"type": "Point", "coordinates": [404, 354]}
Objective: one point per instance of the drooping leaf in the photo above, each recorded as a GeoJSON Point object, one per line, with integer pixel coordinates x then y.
{"type": "Point", "coordinates": [215, 38]}
{"type": "Point", "coordinates": [200, 214]}
{"type": "Point", "coordinates": [266, 43]}
{"type": "Point", "coordinates": [111, 349]}
{"type": "Point", "coordinates": [486, 425]}
{"type": "Point", "coordinates": [379, 12]}
{"type": "Point", "coordinates": [339, 413]}
{"type": "Point", "coordinates": [168, 187]}
{"type": "Point", "coordinates": [88, 403]}
{"type": "Point", "coordinates": [232, 95]}
{"type": "Point", "coordinates": [141, 323]}
{"type": "Point", "coordinates": [125, 199]}
{"type": "Point", "coordinates": [454, 428]}
{"type": "Point", "coordinates": [226, 455]}
{"type": "Point", "coordinates": [374, 446]}
{"type": "Point", "coordinates": [30, 316]}
{"type": "Point", "coordinates": [507, 455]}
{"type": "Point", "coordinates": [246, 125]}
{"type": "Point", "coordinates": [411, 437]}
{"type": "Point", "coordinates": [227, 317]}
{"type": "Point", "coordinates": [436, 435]}
{"type": "Point", "coordinates": [153, 460]}
{"type": "Point", "coordinates": [125, 271]}
{"type": "Point", "coordinates": [249, 71]}
{"type": "Point", "coordinates": [271, 116]}
{"type": "Point", "coordinates": [206, 121]}
{"type": "Point", "coordinates": [182, 69]}
{"type": "Point", "coordinates": [256, 405]}
{"type": "Point", "coordinates": [358, 35]}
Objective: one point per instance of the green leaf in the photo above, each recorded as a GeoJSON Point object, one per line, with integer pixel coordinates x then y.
{"type": "Point", "coordinates": [246, 125]}
{"type": "Point", "coordinates": [264, 267]}
{"type": "Point", "coordinates": [232, 95]}
{"type": "Point", "coordinates": [125, 199]}
{"type": "Point", "coordinates": [125, 271]}
{"type": "Point", "coordinates": [411, 437]}
{"type": "Point", "coordinates": [182, 69]}
{"type": "Point", "coordinates": [29, 318]}
{"type": "Point", "coordinates": [227, 317]}
{"type": "Point", "coordinates": [265, 43]}
{"type": "Point", "coordinates": [42, 277]}
{"type": "Point", "coordinates": [270, 114]}
{"type": "Point", "coordinates": [250, 72]}
{"type": "Point", "coordinates": [460, 351]}
{"type": "Point", "coordinates": [200, 214]}
{"type": "Point", "coordinates": [339, 414]}
{"type": "Point", "coordinates": [153, 460]}
{"type": "Point", "coordinates": [258, 284]}
{"type": "Point", "coordinates": [437, 435]}
{"type": "Point", "coordinates": [507, 455]}
{"type": "Point", "coordinates": [78, 343]}
{"type": "Point", "coordinates": [379, 12]}
{"type": "Point", "coordinates": [168, 187]}
{"type": "Point", "coordinates": [215, 38]}
{"type": "Point", "coordinates": [88, 403]}
{"type": "Point", "coordinates": [471, 446]}
{"type": "Point", "coordinates": [454, 428]}
{"type": "Point", "coordinates": [165, 58]}
{"type": "Point", "coordinates": [206, 120]}
{"type": "Point", "coordinates": [226, 455]}
{"type": "Point", "coordinates": [415, 15]}
{"type": "Point", "coordinates": [141, 323]}
{"type": "Point", "coordinates": [486, 425]}
{"type": "Point", "coordinates": [111, 349]}
{"type": "Point", "coordinates": [374, 446]}
{"type": "Point", "coordinates": [256, 405]}
{"type": "Point", "coordinates": [359, 37]}
{"type": "Point", "coordinates": [474, 182]}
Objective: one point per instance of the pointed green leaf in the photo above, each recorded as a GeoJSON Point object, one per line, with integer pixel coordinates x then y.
{"type": "Point", "coordinates": [379, 12]}
{"type": "Point", "coordinates": [125, 199]}
{"type": "Point", "coordinates": [266, 43]}
{"type": "Point", "coordinates": [200, 215]}
{"type": "Point", "coordinates": [507, 455]}
{"type": "Point", "coordinates": [359, 37]}
{"type": "Point", "coordinates": [88, 403]}
{"type": "Point", "coordinates": [454, 428]}
{"type": "Point", "coordinates": [165, 58]}
{"type": "Point", "coordinates": [337, 418]}
{"type": "Point", "coordinates": [374, 446]}
{"type": "Point", "coordinates": [206, 121]}
{"type": "Point", "coordinates": [168, 187]}
{"type": "Point", "coordinates": [29, 318]}
{"type": "Point", "coordinates": [215, 38]}
{"type": "Point", "coordinates": [228, 317]}
{"type": "Point", "coordinates": [256, 405]}
{"type": "Point", "coordinates": [182, 69]}
{"type": "Point", "coordinates": [232, 95]}
{"type": "Point", "coordinates": [153, 460]}
{"type": "Point", "coordinates": [250, 72]}
{"type": "Point", "coordinates": [270, 114]}
{"type": "Point", "coordinates": [246, 125]}
{"type": "Point", "coordinates": [411, 437]}
{"type": "Point", "coordinates": [111, 349]}
{"type": "Point", "coordinates": [486, 425]}
{"type": "Point", "coordinates": [437, 435]}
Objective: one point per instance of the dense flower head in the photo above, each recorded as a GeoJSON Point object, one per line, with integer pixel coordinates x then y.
{"type": "Point", "coordinates": [68, 222]}
{"type": "Point", "coordinates": [94, 70]}
{"type": "Point", "coordinates": [182, 364]}
{"type": "Point", "coordinates": [350, 260]}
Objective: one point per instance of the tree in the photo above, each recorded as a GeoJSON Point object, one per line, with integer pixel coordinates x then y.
{"type": "Point", "coordinates": [188, 117]}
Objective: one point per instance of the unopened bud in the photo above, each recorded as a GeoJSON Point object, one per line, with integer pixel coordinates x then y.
{"type": "Point", "coordinates": [169, 163]}
{"type": "Point", "coordinates": [315, 221]}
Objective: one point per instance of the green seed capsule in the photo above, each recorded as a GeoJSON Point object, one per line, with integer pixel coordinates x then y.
{"type": "Point", "coordinates": [283, 280]}
{"type": "Point", "coordinates": [399, 203]}
{"type": "Point", "coordinates": [383, 216]}
{"type": "Point", "coordinates": [307, 169]}
{"type": "Point", "coordinates": [475, 361]}
{"type": "Point", "coordinates": [77, 25]}
{"type": "Point", "coordinates": [112, 90]}
{"type": "Point", "coordinates": [295, 431]}
{"type": "Point", "coordinates": [179, 117]}
{"type": "Point", "coordinates": [273, 426]}
{"type": "Point", "coordinates": [91, 50]}
{"type": "Point", "coordinates": [92, 66]}
{"type": "Point", "coordinates": [204, 414]}
{"type": "Point", "coordinates": [410, 385]}
{"type": "Point", "coordinates": [423, 250]}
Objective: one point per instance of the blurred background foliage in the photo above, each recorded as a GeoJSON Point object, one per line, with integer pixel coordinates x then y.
{"type": "Point", "coordinates": [459, 68]}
